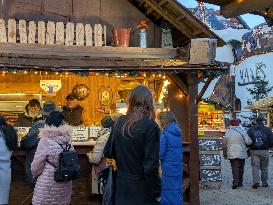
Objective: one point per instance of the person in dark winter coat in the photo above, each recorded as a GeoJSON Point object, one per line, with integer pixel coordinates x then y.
{"type": "Point", "coordinates": [171, 160]}
{"type": "Point", "coordinates": [31, 114]}
{"type": "Point", "coordinates": [31, 141]}
{"type": "Point", "coordinates": [8, 143]}
{"type": "Point", "coordinates": [136, 150]}
{"type": "Point", "coordinates": [74, 114]}
{"type": "Point", "coordinates": [262, 140]}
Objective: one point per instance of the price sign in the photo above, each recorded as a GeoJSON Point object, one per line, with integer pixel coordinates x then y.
{"type": "Point", "coordinates": [80, 134]}
{"type": "Point", "coordinates": [94, 131]}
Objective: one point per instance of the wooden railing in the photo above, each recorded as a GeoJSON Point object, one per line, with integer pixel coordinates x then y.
{"type": "Point", "coordinates": [52, 33]}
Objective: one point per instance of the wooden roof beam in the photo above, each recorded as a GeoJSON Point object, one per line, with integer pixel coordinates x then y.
{"type": "Point", "coordinates": [201, 26]}
{"type": "Point", "coordinates": [150, 10]}
{"type": "Point", "coordinates": [170, 18]}
{"type": "Point", "coordinates": [239, 7]}
{"type": "Point", "coordinates": [179, 18]}
{"type": "Point", "coordinates": [162, 2]}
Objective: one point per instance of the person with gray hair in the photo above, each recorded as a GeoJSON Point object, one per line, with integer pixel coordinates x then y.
{"type": "Point", "coordinates": [171, 159]}
{"type": "Point", "coordinates": [262, 140]}
{"type": "Point", "coordinates": [96, 156]}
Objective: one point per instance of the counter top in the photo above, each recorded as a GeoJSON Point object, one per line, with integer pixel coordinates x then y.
{"type": "Point", "coordinates": [85, 143]}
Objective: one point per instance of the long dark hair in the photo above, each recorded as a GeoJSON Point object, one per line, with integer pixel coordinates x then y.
{"type": "Point", "coordinates": [140, 104]}
{"type": "Point", "coordinates": [9, 133]}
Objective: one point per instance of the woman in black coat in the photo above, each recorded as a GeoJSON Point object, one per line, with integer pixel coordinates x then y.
{"type": "Point", "coordinates": [136, 150]}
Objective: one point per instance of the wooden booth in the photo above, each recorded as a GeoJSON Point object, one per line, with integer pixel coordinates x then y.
{"type": "Point", "coordinates": [67, 46]}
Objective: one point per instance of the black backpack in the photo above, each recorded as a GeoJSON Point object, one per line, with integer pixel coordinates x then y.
{"type": "Point", "coordinates": [68, 167]}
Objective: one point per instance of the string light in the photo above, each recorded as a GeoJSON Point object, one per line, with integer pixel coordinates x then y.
{"type": "Point", "coordinates": [46, 73]}
{"type": "Point", "coordinates": [14, 72]}
{"type": "Point", "coordinates": [163, 91]}
{"type": "Point", "coordinates": [25, 72]}
{"type": "Point", "coordinates": [66, 73]}
{"type": "Point", "coordinates": [36, 72]}
{"type": "Point", "coordinates": [56, 73]}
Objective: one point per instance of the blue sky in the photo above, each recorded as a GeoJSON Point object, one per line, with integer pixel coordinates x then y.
{"type": "Point", "coordinates": [251, 20]}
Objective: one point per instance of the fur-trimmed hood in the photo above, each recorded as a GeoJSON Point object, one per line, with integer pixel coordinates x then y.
{"type": "Point", "coordinates": [51, 131]}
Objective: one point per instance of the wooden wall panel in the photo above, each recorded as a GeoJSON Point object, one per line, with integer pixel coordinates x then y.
{"type": "Point", "coordinates": [59, 7]}
{"type": "Point", "coordinates": [30, 84]}
{"type": "Point", "coordinates": [178, 106]}
{"type": "Point", "coordinates": [124, 14]}
{"type": "Point", "coordinates": [107, 12]}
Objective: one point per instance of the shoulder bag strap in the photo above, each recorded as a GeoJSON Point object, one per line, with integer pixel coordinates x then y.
{"type": "Point", "coordinates": [240, 134]}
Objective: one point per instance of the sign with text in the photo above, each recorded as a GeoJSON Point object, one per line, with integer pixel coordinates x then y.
{"type": "Point", "coordinates": [211, 175]}
{"type": "Point", "coordinates": [94, 131]}
{"type": "Point", "coordinates": [210, 160]}
{"type": "Point", "coordinates": [80, 134]}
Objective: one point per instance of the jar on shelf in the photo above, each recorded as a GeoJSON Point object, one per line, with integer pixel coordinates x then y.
{"type": "Point", "coordinates": [142, 38]}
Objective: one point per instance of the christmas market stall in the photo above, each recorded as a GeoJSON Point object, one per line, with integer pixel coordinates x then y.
{"type": "Point", "coordinates": [214, 111]}
{"type": "Point", "coordinates": [99, 53]}
{"type": "Point", "coordinates": [263, 107]}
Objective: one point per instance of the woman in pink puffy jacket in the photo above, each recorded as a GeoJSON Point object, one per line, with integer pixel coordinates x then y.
{"type": "Point", "coordinates": [47, 191]}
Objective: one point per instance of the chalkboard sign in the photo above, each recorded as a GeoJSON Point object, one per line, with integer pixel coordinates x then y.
{"type": "Point", "coordinates": [209, 144]}
{"type": "Point", "coordinates": [211, 175]}
{"type": "Point", "coordinates": [210, 159]}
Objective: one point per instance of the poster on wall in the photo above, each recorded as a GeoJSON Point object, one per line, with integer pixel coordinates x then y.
{"type": "Point", "coordinates": [51, 86]}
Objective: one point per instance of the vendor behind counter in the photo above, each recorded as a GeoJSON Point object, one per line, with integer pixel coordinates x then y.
{"type": "Point", "coordinates": [31, 114]}
{"type": "Point", "coordinates": [74, 114]}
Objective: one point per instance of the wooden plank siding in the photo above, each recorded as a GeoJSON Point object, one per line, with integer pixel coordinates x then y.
{"type": "Point", "coordinates": [30, 84]}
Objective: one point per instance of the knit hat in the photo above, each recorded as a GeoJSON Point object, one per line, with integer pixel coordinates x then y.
{"type": "Point", "coordinates": [50, 106]}
{"type": "Point", "coordinates": [235, 122]}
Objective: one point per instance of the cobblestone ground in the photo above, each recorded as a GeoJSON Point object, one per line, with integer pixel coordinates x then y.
{"type": "Point", "coordinates": [20, 191]}
{"type": "Point", "coordinates": [241, 196]}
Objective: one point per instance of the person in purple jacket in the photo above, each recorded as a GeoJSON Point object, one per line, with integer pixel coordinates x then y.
{"type": "Point", "coordinates": [171, 160]}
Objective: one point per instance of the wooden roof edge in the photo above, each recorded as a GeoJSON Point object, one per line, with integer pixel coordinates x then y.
{"type": "Point", "coordinates": [198, 23]}
{"type": "Point", "coordinates": [191, 18]}
{"type": "Point", "coordinates": [22, 63]}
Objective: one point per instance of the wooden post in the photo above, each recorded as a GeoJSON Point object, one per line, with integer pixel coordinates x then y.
{"type": "Point", "coordinates": [23, 31]}
{"type": "Point", "coordinates": [11, 31]}
{"type": "Point", "coordinates": [41, 32]}
{"type": "Point", "coordinates": [31, 32]}
{"type": "Point", "coordinates": [69, 39]}
{"type": "Point", "coordinates": [98, 34]}
{"type": "Point", "coordinates": [95, 35]}
{"type": "Point", "coordinates": [60, 33]}
{"type": "Point", "coordinates": [205, 87]}
{"type": "Point", "coordinates": [88, 35]}
{"type": "Point", "coordinates": [50, 33]}
{"type": "Point", "coordinates": [3, 32]}
{"type": "Point", "coordinates": [192, 122]}
{"type": "Point", "coordinates": [79, 34]}
{"type": "Point", "coordinates": [105, 35]}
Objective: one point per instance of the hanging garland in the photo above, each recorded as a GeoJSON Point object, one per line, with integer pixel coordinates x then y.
{"type": "Point", "coordinates": [217, 104]}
